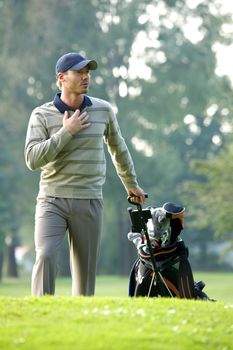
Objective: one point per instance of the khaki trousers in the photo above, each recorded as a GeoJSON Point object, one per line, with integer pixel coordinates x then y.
{"type": "Point", "coordinates": [83, 220]}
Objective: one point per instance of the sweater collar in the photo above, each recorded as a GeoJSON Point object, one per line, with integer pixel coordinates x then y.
{"type": "Point", "coordinates": [62, 106]}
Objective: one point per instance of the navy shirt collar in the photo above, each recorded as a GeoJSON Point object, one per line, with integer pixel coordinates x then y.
{"type": "Point", "coordinates": [62, 106]}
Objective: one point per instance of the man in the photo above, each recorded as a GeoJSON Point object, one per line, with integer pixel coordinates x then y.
{"type": "Point", "coordinates": [65, 139]}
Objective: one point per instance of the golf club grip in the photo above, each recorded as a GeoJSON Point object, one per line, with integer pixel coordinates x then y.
{"type": "Point", "coordinates": [133, 196]}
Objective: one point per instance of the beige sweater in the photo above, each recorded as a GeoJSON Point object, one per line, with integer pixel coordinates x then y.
{"type": "Point", "coordinates": [75, 166]}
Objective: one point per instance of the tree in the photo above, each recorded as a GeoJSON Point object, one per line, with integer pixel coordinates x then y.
{"type": "Point", "coordinates": [214, 192]}
{"type": "Point", "coordinates": [177, 114]}
{"type": "Point", "coordinates": [8, 208]}
{"type": "Point", "coordinates": [171, 112]}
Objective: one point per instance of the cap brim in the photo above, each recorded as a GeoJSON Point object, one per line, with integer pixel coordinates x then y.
{"type": "Point", "coordinates": [92, 64]}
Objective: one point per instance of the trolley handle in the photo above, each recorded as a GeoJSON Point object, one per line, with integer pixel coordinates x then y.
{"type": "Point", "coordinates": [133, 196]}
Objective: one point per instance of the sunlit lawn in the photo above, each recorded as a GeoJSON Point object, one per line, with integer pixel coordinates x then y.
{"type": "Point", "coordinates": [218, 286]}
{"type": "Point", "coordinates": [113, 321]}
{"type": "Point", "coordinates": [102, 323]}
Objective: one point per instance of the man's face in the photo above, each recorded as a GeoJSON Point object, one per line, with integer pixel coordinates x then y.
{"type": "Point", "coordinates": [75, 81]}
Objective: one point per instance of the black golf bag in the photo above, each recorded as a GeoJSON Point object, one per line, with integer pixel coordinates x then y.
{"type": "Point", "coordinates": [162, 268]}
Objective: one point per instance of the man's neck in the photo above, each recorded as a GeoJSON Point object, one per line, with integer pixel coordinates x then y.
{"type": "Point", "coordinates": [73, 100]}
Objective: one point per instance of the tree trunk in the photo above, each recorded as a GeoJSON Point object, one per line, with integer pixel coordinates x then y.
{"type": "Point", "coordinates": [1, 264]}
{"type": "Point", "coordinates": [12, 270]}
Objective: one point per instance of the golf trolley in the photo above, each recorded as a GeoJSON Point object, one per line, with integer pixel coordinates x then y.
{"type": "Point", "coordinates": [162, 268]}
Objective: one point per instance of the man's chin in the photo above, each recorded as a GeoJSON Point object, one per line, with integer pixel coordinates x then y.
{"type": "Point", "coordinates": [84, 89]}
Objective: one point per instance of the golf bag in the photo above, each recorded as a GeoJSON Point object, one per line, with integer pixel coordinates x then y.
{"type": "Point", "coordinates": [162, 268]}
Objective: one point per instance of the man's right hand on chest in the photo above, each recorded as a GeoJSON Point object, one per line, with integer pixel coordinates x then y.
{"type": "Point", "coordinates": [76, 122]}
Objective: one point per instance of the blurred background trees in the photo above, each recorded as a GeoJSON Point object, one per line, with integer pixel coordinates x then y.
{"type": "Point", "coordinates": [158, 67]}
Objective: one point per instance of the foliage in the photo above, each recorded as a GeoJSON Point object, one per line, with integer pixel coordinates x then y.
{"type": "Point", "coordinates": [172, 107]}
{"type": "Point", "coordinates": [212, 194]}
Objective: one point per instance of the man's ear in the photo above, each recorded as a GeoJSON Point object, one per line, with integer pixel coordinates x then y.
{"type": "Point", "coordinates": [60, 76]}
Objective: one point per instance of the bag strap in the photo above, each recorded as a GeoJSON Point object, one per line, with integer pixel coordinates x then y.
{"type": "Point", "coordinates": [158, 252]}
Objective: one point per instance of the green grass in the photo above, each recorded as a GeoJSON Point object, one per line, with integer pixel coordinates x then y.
{"type": "Point", "coordinates": [94, 323]}
{"type": "Point", "coordinates": [218, 286]}
{"type": "Point", "coordinates": [112, 321]}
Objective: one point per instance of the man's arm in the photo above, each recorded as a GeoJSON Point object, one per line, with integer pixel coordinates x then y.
{"type": "Point", "coordinates": [40, 148]}
{"type": "Point", "coordinates": [122, 160]}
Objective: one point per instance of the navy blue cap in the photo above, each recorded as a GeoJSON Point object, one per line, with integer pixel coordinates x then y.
{"type": "Point", "coordinates": [74, 61]}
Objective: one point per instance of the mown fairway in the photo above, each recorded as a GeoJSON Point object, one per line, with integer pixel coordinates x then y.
{"type": "Point", "coordinates": [93, 323]}
{"type": "Point", "coordinates": [112, 321]}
